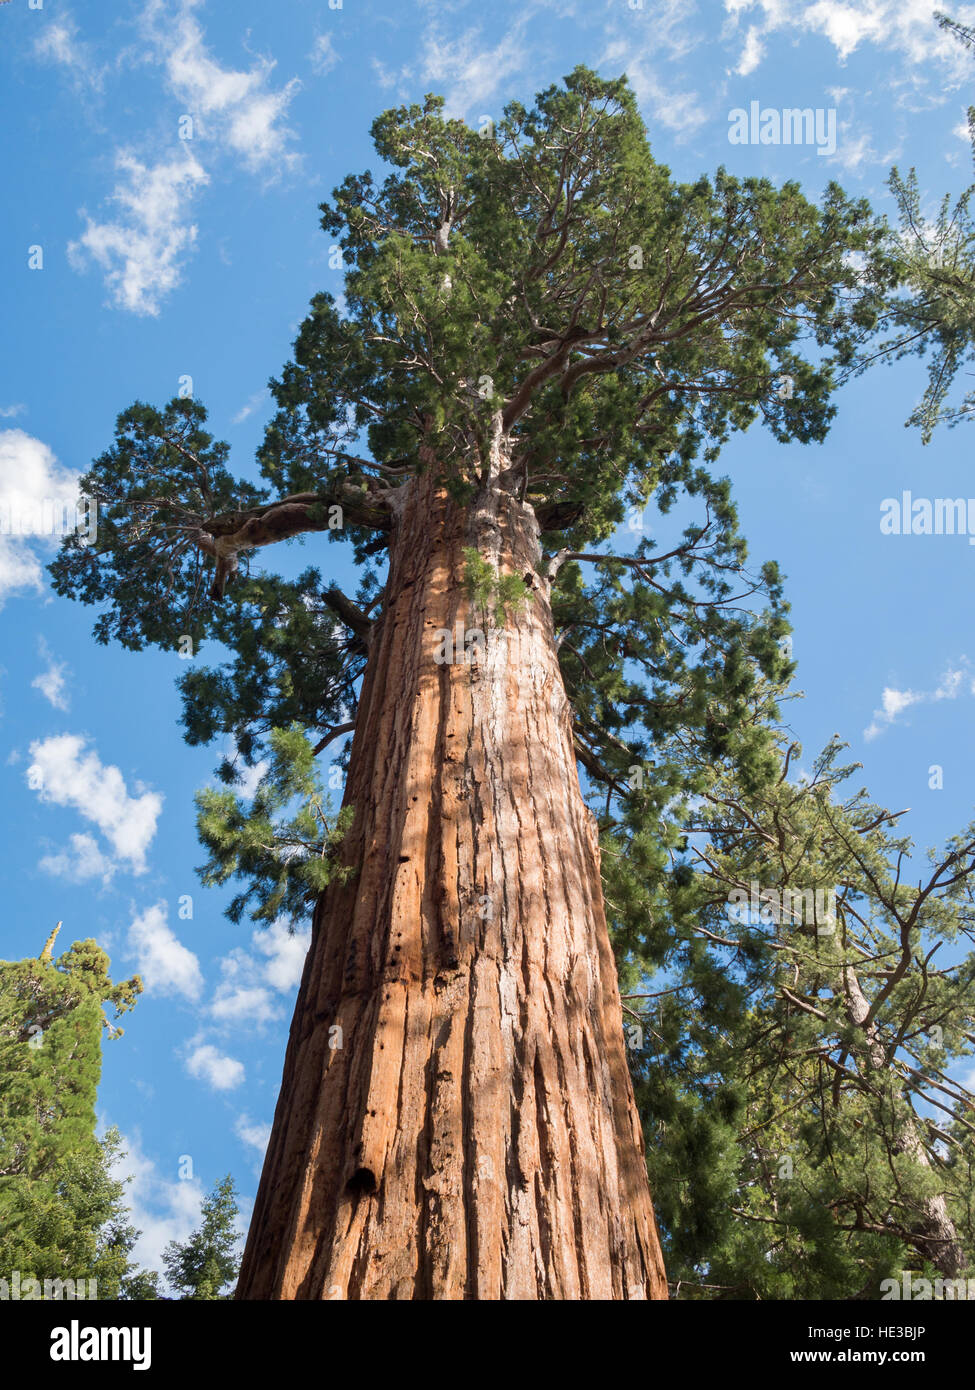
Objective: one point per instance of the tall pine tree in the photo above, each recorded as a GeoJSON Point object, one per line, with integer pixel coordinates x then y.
{"type": "Point", "coordinates": [62, 1212]}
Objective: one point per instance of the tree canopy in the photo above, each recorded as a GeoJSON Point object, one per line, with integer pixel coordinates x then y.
{"type": "Point", "coordinates": [546, 284]}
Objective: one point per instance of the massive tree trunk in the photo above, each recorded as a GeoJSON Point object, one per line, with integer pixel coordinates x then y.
{"type": "Point", "coordinates": [456, 1118]}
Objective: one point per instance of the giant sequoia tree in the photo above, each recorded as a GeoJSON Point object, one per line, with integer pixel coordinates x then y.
{"type": "Point", "coordinates": [541, 334]}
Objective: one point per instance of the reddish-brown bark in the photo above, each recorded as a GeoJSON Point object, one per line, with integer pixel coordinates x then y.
{"type": "Point", "coordinates": [475, 1134]}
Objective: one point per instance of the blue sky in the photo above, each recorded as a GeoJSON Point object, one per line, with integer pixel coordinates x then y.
{"type": "Point", "coordinates": [164, 258]}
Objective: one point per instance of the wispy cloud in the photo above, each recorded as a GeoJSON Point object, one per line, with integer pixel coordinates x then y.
{"type": "Point", "coordinates": [81, 861]}
{"type": "Point", "coordinates": [51, 681]}
{"type": "Point", "coordinates": [955, 681]}
{"type": "Point", "coordinates": [165, 964]}
{"type": "Point", "coordinates": [246, 994]}
{"type": "Point", "coordinates": [59, 43]}
{"type": "Point", "coordinates": [142, 249]}
{"type": "Point", "coordinates": [323, 55]}
{"type": "Point", "coordinates": [254, 1134]}
{"type": "Point", "coordinates": [854, 151]}
{"type": "Point", "coordinates": [466, 70]}
{"type": "Point", "coordinates": [143, 238]}
{"type": "Point", "coordinates": [252, 404]}
{"type": "Point", "coordinates": [285, 951]}
{"type": "Point", "coordinates": [65, 773]}
{"type": "Point", "coordinates": [906, 27]}
{"type": "Point", "coordinates": [214, 1068]}
{"type": "Point", "coordinates": [161, 1209]}
{"type": "Point", "coordinates": [681, 111]}
{"type": "Point", "coordinates": [239, 109]}
{"type": "Point", "coordinates": [752, 53]}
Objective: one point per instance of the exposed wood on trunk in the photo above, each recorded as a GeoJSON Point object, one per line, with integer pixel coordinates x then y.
{"type": "Point", "coordinates": [474, 1135]}
{"type": "Point", "coordinates": [225, 537]}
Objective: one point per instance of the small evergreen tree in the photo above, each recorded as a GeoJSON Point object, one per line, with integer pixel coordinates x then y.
{"type": "Point", "coordinates": [201, 1267]}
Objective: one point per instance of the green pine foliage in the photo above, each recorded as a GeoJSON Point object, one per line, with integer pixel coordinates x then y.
{"type": "Point", "coordinates": [490, 592]}
{"type": "Point", "coordinates": [62, 1213]}
{"type": "Point", "coordinates": [201, 1267]}
{"type": "Point", "coordinates": [283, 843]}
{"type": "Point", "coordinates": [779, 1126]}
{"type": "Point", "coordinates": [933, 313]}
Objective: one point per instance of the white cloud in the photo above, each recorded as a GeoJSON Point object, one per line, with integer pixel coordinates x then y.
{"type": "Point", "coordinates": [245, 994]}
{"type": "Point", "coordinates": [286, 952]}
{"type": "Point", "coordinates": [465, 71]}
{"type": "Point", "coordinates": [162, 1209]}
{"type": "Point", "coordinates": [243, 1004]}
{"type": "Point", "coordinates": [142, 245]}
{"type": "Point", "coordinates": [143, 249]}
{"type": "Point", "coordinates": [472, 74]}
{"type": "Point", "coordinates": [323, 55]}
{"type": "Point", "coordinates": [252, 1133]}
{"type": "Point", "coordinates": [51, 683]}
{"type": "Point", "coordinates": [681, 111]}
{"type": "Point", "coordinates": [894, 702]}
{"type": "Point", "coordinates": [752, 53]}
{"type": "Point", "coordinates": [58, 42]}
{"type": "Point", "coordinates": [239, 109]}
{"type": "Point", "coordinates": [854, 151]}
{"type": "Point", "coordinates": [165, 964]}
{"type": "Point", "coordinates": [7, 412]}
{"type": "Point", "coordinates": [248, 409]}
{"type": "Point", "coordinates": [250, 778]}
{"type": "Point", "coordinates": [906, 27]}
{"type": "Point", "coordinates": [19, 569]}
{"type": "Point", "coordinates": [62, 772]}
{"type": "Point", "coordinates": [34, 491]}
{"type": "Point", "coordinates": [221, 1073]}
{"type": "Point", "coordinates": [83, 861]}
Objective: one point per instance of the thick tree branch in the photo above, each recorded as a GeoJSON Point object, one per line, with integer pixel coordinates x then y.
{"type": "Point", "coordinates": [224, 537]}
{"type": "Point", "coordinates": [350, 614]}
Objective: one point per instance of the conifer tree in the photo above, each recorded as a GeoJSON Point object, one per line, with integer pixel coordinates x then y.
{"type": "Point", "coordinates": [806, 1135]}
{"type": "Point", "coordinates": [62, 1211]}
{"type": "Point", "coordinates": [542, 333]}
{"type": "Point", "coordinates": [933, 312]}
{"type": "Point", "coordinates": [201, 1267]}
